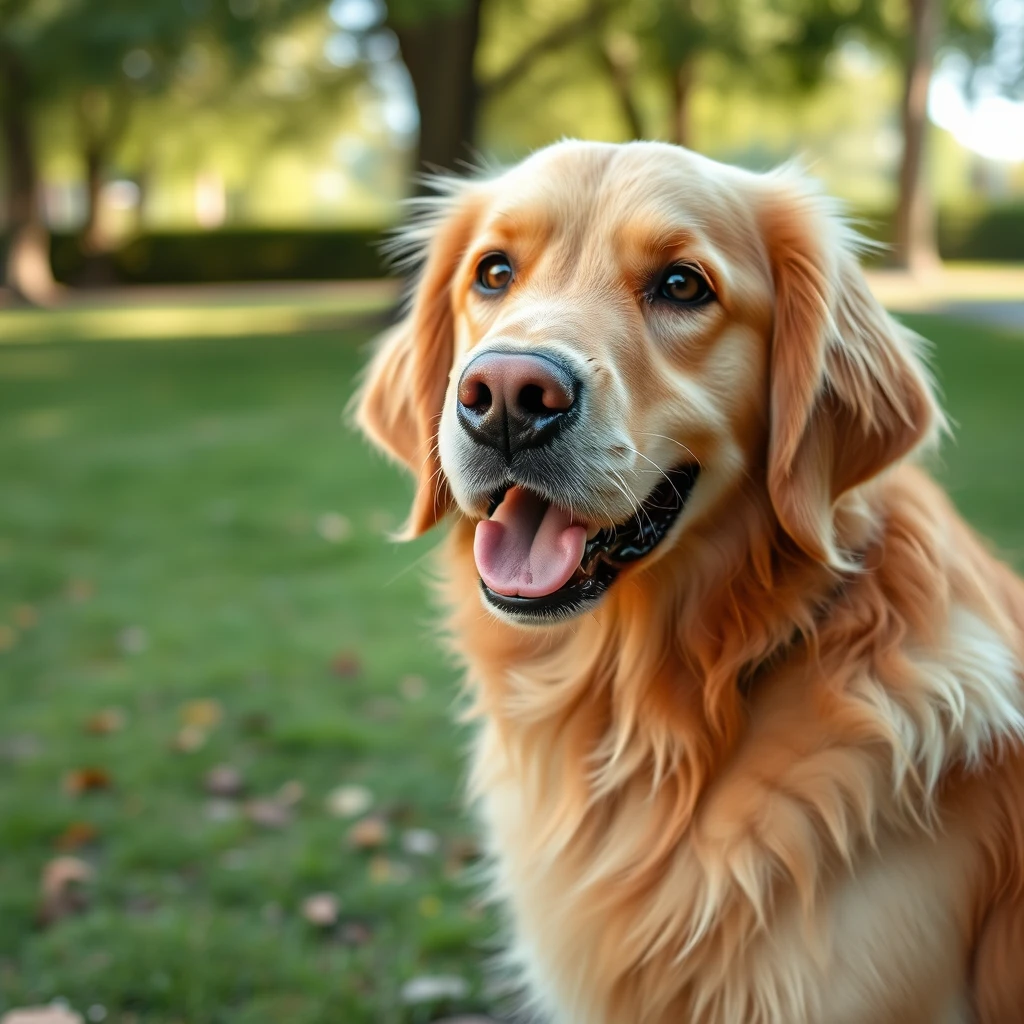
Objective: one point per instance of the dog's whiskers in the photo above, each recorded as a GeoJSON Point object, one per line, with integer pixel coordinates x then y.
{"type": "Point", "coordinates": [665, 437]}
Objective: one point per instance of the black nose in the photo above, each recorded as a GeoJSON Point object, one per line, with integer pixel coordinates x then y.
{"type": "Point", "coordinates": [516, 400]}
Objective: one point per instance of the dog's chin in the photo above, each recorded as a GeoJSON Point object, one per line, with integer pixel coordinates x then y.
{"type": "Point", "coordinates": [561, 569]}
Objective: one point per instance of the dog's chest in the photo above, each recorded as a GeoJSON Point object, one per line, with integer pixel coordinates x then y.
{"type": "Point", "coordinates": [721, 933]}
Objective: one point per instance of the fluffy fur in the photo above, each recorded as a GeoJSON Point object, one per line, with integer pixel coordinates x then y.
{"type": "Point", "coordinates": [777, 776]}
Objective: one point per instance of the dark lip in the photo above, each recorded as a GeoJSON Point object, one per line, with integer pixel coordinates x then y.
{"type": "Point", "coordinates": [607, 553]}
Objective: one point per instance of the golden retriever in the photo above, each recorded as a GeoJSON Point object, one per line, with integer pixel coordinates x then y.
{"type": "Point", "coordinates": [748, 691]}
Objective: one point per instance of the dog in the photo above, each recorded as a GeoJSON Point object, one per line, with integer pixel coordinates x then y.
{"type": "Point", "coordinates": [747, 691]}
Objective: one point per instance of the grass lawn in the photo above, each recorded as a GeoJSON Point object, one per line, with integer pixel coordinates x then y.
{"type": "Point", "coordinates": [193, 573]}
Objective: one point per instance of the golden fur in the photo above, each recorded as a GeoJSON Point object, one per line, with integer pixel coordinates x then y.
{"type": "Point", "coordinates": [776, 776]}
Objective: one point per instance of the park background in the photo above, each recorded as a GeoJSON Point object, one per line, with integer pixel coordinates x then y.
{"type": "Point", "coordinates": [229, 774]}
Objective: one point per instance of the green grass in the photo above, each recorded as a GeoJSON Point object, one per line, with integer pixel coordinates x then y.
{"type": "Point", "coordinates": [179, 487]}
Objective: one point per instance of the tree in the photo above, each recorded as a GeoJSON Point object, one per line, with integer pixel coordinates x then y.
{"type": "Point", "coordinates": [966, 27]}
{"type": "Point", "coordinates": [916, 248]}
{"type": "Point", "coordinates": [781, 48]}
{"type": "Point", "coordinates": [680, 35]}
{"type": "Point", "coordinates": [99, 57]}
{"type": "Point", "coordinates": [27, 260]}
{"type": "Point", "coordinates": [439, 40]}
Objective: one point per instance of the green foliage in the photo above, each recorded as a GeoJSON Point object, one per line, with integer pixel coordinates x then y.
{"type": "Point", "coordinates": [787, 44]}
{"type": "Point", "coordinates": [675, 32]}
{"type": "Point", "coordinates": [410, 12]}
{"type": "Point", "coordinates": [78, 44]}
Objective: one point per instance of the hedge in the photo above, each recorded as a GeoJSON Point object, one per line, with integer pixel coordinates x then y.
{"type": "Point", "coordinates": [227, 255]}
{"type": "Point", "coordinates": [983, 234]}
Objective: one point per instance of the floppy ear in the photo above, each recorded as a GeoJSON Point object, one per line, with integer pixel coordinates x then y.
{"type": "Point", "coordinates": [849, 394]}
{"type": "Point", "coordinates": [399, 404]}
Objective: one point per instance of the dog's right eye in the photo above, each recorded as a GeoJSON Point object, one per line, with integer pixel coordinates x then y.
{"type": "Point", "coordinates": [493, 273]}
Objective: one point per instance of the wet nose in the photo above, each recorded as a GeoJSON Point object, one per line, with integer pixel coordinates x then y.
{"type": "Point", "coordinates": [516, 400]}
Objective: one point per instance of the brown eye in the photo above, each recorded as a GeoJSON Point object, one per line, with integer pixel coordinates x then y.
{"type": "Point", "coordinates": [684, 286]}
{"type": "Point", "coordinates": [494, 273]}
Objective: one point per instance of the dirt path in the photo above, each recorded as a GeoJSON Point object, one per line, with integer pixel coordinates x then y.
{"type": "Point", "coordinates": [992, 295]}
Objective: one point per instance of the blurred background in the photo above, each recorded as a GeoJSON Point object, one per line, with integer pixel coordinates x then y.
{"type": "Point", "coordinates": [229, 782]}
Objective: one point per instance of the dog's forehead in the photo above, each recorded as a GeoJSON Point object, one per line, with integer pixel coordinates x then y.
{"type": "Point", "coordinates": [626, 191]}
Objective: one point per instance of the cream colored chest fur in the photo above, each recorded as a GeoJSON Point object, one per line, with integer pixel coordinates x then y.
{"type": "Point", "coordinates": [797, 893]}
{"type": "Point", "coordinates": [891, 926]}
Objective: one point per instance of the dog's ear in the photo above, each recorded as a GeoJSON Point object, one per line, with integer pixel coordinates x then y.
{"type": "Point", "coordinates": [400, 401]}
{"type": "Point", "coordinates": [849, 395]}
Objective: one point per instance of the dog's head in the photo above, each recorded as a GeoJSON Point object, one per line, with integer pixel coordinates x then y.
{"type": "Point", "coordinates": [606, 341]}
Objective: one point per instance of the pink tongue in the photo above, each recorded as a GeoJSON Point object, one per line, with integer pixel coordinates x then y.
{"type": "Point", "coordinates": [528, 547]}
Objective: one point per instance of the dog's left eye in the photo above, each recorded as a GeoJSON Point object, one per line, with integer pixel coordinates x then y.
{"type": "Point", "coordinates": [683, 286]}
{"type": "Point", "coordinates": [493, 273]}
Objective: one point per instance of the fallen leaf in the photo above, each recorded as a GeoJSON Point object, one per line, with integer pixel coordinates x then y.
{"type": "Point", "coordinates": [368, 834]}
{"type": "Point", "coordinates": [420, 842]}
{"type": "Point", "coordinates": [461, 852]}
{"type": "Point", "coordinates": [388, 872]}
{"type": "Point", "coordinates": [432, 988]}
{"type": "Point", "coordinates": [346, 664]}
{"type": "Point", "coordinates": [79, 590]}
{"type": "Point", "coordinates": [413, 687]}
{"type": "Point", "coordinates": [321, 909]}
{"type": "Point", "coordinates": [355, 933]}
{"type": "Point", "coordinates": [133, 640]}
{"type": "Point", "coordinates": [430, 906]}
{"type": "Point", "coordinates": [464, 849]}
{"type": "Point", "coordinates": [202, 714]}
{"type": "Point", "coordinates": [268, 813]}
{"type": "Point", "coordinates": [402, 812]}
{"type": "Point", "coordinates": [60, 888]}
{"type": "Point", "coordinates": [189, 739]}
{"type": "Point", "coordinates": [334, 527]}
{"type": "Point", "coordinates": [86, 780]}
{"type": "Point", "coordinates": [224, 780]}
{"type": "Point", "coordinates": [25, 616]}
{"type": "Point", "coordinates": [106, 721]}
{"type": "Point", "coordinates": [291, 793]}
{"type": "Point", "coordinates": [349, 801]}
{"type": "Point", "coordinates": [55, 1014]}
{"type": "Point", "coordinates": [8, 636]}
{"type": "Point", "coordinates": [76, 835]}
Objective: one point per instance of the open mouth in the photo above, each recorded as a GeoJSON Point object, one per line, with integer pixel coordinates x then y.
{"type": "Point", "coordinates": [536, 562]}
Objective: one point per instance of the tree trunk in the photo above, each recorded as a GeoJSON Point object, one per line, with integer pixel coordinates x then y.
{"type": "Point", "coordinates": [682, 90]}
{"type": "Point", "coordinates": [92, 241]}
{"type": "Point", "coordinates": [621, 77]}
{"type": "Point", "coordinates": [916, 248]}
{"type": "Point", "coordinates": [439, 53]}
{"type": "Point", "coordinates": [26, 269]}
